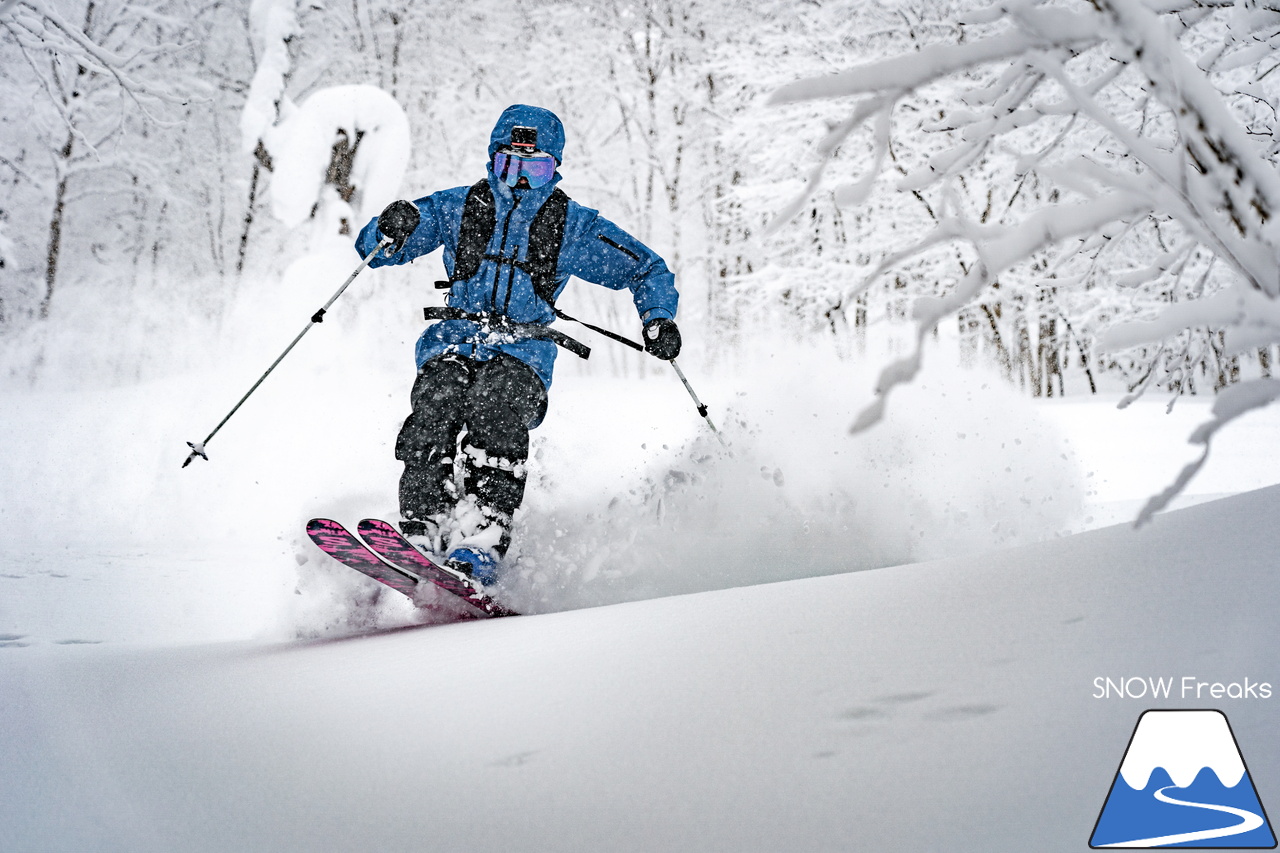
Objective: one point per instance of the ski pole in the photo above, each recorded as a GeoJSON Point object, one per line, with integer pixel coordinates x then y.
{"type": "Point", "coordinates": [197, 447]}
{"type": "Point", "coordinates": [702, 408]}
{"type": "Point", "coordinates": [639, 347]}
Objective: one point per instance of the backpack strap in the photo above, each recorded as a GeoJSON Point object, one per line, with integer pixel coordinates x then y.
{"type": "Point", "coordinates": [478, 221]}
{"type": "Point", "coordinates": [546, 234]}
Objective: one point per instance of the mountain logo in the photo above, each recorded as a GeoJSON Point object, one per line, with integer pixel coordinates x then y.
{"type": "Point", "coordinates": [1183, 783]}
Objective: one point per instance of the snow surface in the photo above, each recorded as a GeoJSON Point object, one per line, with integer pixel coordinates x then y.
{"type": "Point", "coordinates": [937, 706]}
{"type": "Point", "coordinates": [828, 642]}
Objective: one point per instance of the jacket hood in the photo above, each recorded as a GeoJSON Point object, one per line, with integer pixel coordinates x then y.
{"type": "Point", "coordinates": [550, 129]}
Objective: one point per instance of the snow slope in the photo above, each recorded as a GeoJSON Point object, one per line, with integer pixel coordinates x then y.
{"type": "Point", "coordinates": [940, 706]}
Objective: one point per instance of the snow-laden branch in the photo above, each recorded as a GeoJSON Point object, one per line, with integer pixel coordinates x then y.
{"type": "Point", "coordinates": [888, 81]}
{"type": "Point", "coordinates": [1099, 99]}
{"type": "Point", "coordinates": [1242, 184]}
{"type": "Point", "coordinates": [826, 149]}
{"type": "Point", "coordinates": [933, 62]}
{"type": "Point", "coordinates": [41, 24]}
{"type": "Point", "coordinates": [1230, 404]}
{"type": "Point", "coordinates": [1250, 318]}
{"type": "Point", "coordinates": [998, 248]}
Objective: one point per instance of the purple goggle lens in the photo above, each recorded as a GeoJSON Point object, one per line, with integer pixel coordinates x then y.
{"type": "Point", "coordinates": [537, 169]}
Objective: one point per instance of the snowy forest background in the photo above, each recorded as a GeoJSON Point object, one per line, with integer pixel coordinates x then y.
{"type": "Point", "coordinates": [1080, 193]}
{"type": "Point", "coordinates": [951, 220]}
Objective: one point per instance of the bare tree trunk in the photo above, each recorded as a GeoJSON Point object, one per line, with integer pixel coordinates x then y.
{"type": "Point", "coordinates": [339, 172]}
{"type": "Point", "coordinates": [248, 219]}
{"type": "Point", "coordinates": [395, 54]}
{"type": "Point", "coordinates": [1003, 356]}
{"type": "Point", "coordinates": [1227, 367]}
{"type": "Point", "coordinates": [55, 227]}
{"type": "Point", "coordinates": [58, 217]}
{"type": "Point", "coordinates": [262, 160]}
{"type": "Point", "coordinates": [1029, 372]}
{"type": "Point", "coordinates": [861, 320]}
{"type": "Point", "coordinates": [1050, 364]}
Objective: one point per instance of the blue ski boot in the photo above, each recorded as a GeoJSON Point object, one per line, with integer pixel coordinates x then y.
{"type": "Point", "coordinates": [476, 563]}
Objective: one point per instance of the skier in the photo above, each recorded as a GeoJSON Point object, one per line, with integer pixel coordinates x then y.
{"type": "Point", "coordinates": [511, 242]}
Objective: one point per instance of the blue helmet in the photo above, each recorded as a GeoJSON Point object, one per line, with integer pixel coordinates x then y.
{"type": "Point", "coordinates": [534, 126]}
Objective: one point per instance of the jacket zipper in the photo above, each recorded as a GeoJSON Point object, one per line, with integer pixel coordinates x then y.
{"type": "Point", "coordinates": [511, 280]}
{"type": "Point", "coordinates": [502, 253]}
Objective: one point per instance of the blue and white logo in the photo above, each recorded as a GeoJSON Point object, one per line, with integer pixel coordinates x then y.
{"type": "Point", "coordinates": [1183, 783]}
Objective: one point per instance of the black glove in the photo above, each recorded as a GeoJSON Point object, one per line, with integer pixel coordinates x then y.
{"type": "Point", "coordinates": [398, 220]}
{"type": "Point", "coordinates": [662, 338]}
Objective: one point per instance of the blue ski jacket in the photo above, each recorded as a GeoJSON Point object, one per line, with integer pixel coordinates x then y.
{"type": "Point", "coordinates": [594, 249]}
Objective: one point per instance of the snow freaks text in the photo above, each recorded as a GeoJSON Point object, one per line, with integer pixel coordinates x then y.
{"type": "Point", "coordinates": [1186, 687]}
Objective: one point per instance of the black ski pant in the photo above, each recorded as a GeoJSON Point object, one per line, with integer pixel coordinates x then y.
{"type": "Point", "coordinates": [495, 402]}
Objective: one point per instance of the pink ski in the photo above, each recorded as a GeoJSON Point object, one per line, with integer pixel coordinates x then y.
{"type": "Point", "coordinates": [336, 541]}
{"type": "Point", "coordinates": [387, 543]}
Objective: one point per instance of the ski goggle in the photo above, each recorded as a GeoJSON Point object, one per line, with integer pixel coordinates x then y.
{"type": "Point", "coordinates": [510, 167]}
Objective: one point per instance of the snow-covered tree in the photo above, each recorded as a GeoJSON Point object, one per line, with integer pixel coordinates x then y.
{"type": "Point", "coordinates": [646, 134]}
{"type": "Point", "coordinates": [272, 25]}
{"type": "Point", "coordinates": [339, 158]}
{"type": "Point", "coordinates": [85, 74]}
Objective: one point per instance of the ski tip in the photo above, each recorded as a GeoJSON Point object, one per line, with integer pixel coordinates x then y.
{"type": "Point", "coordinates": [322, 524]}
